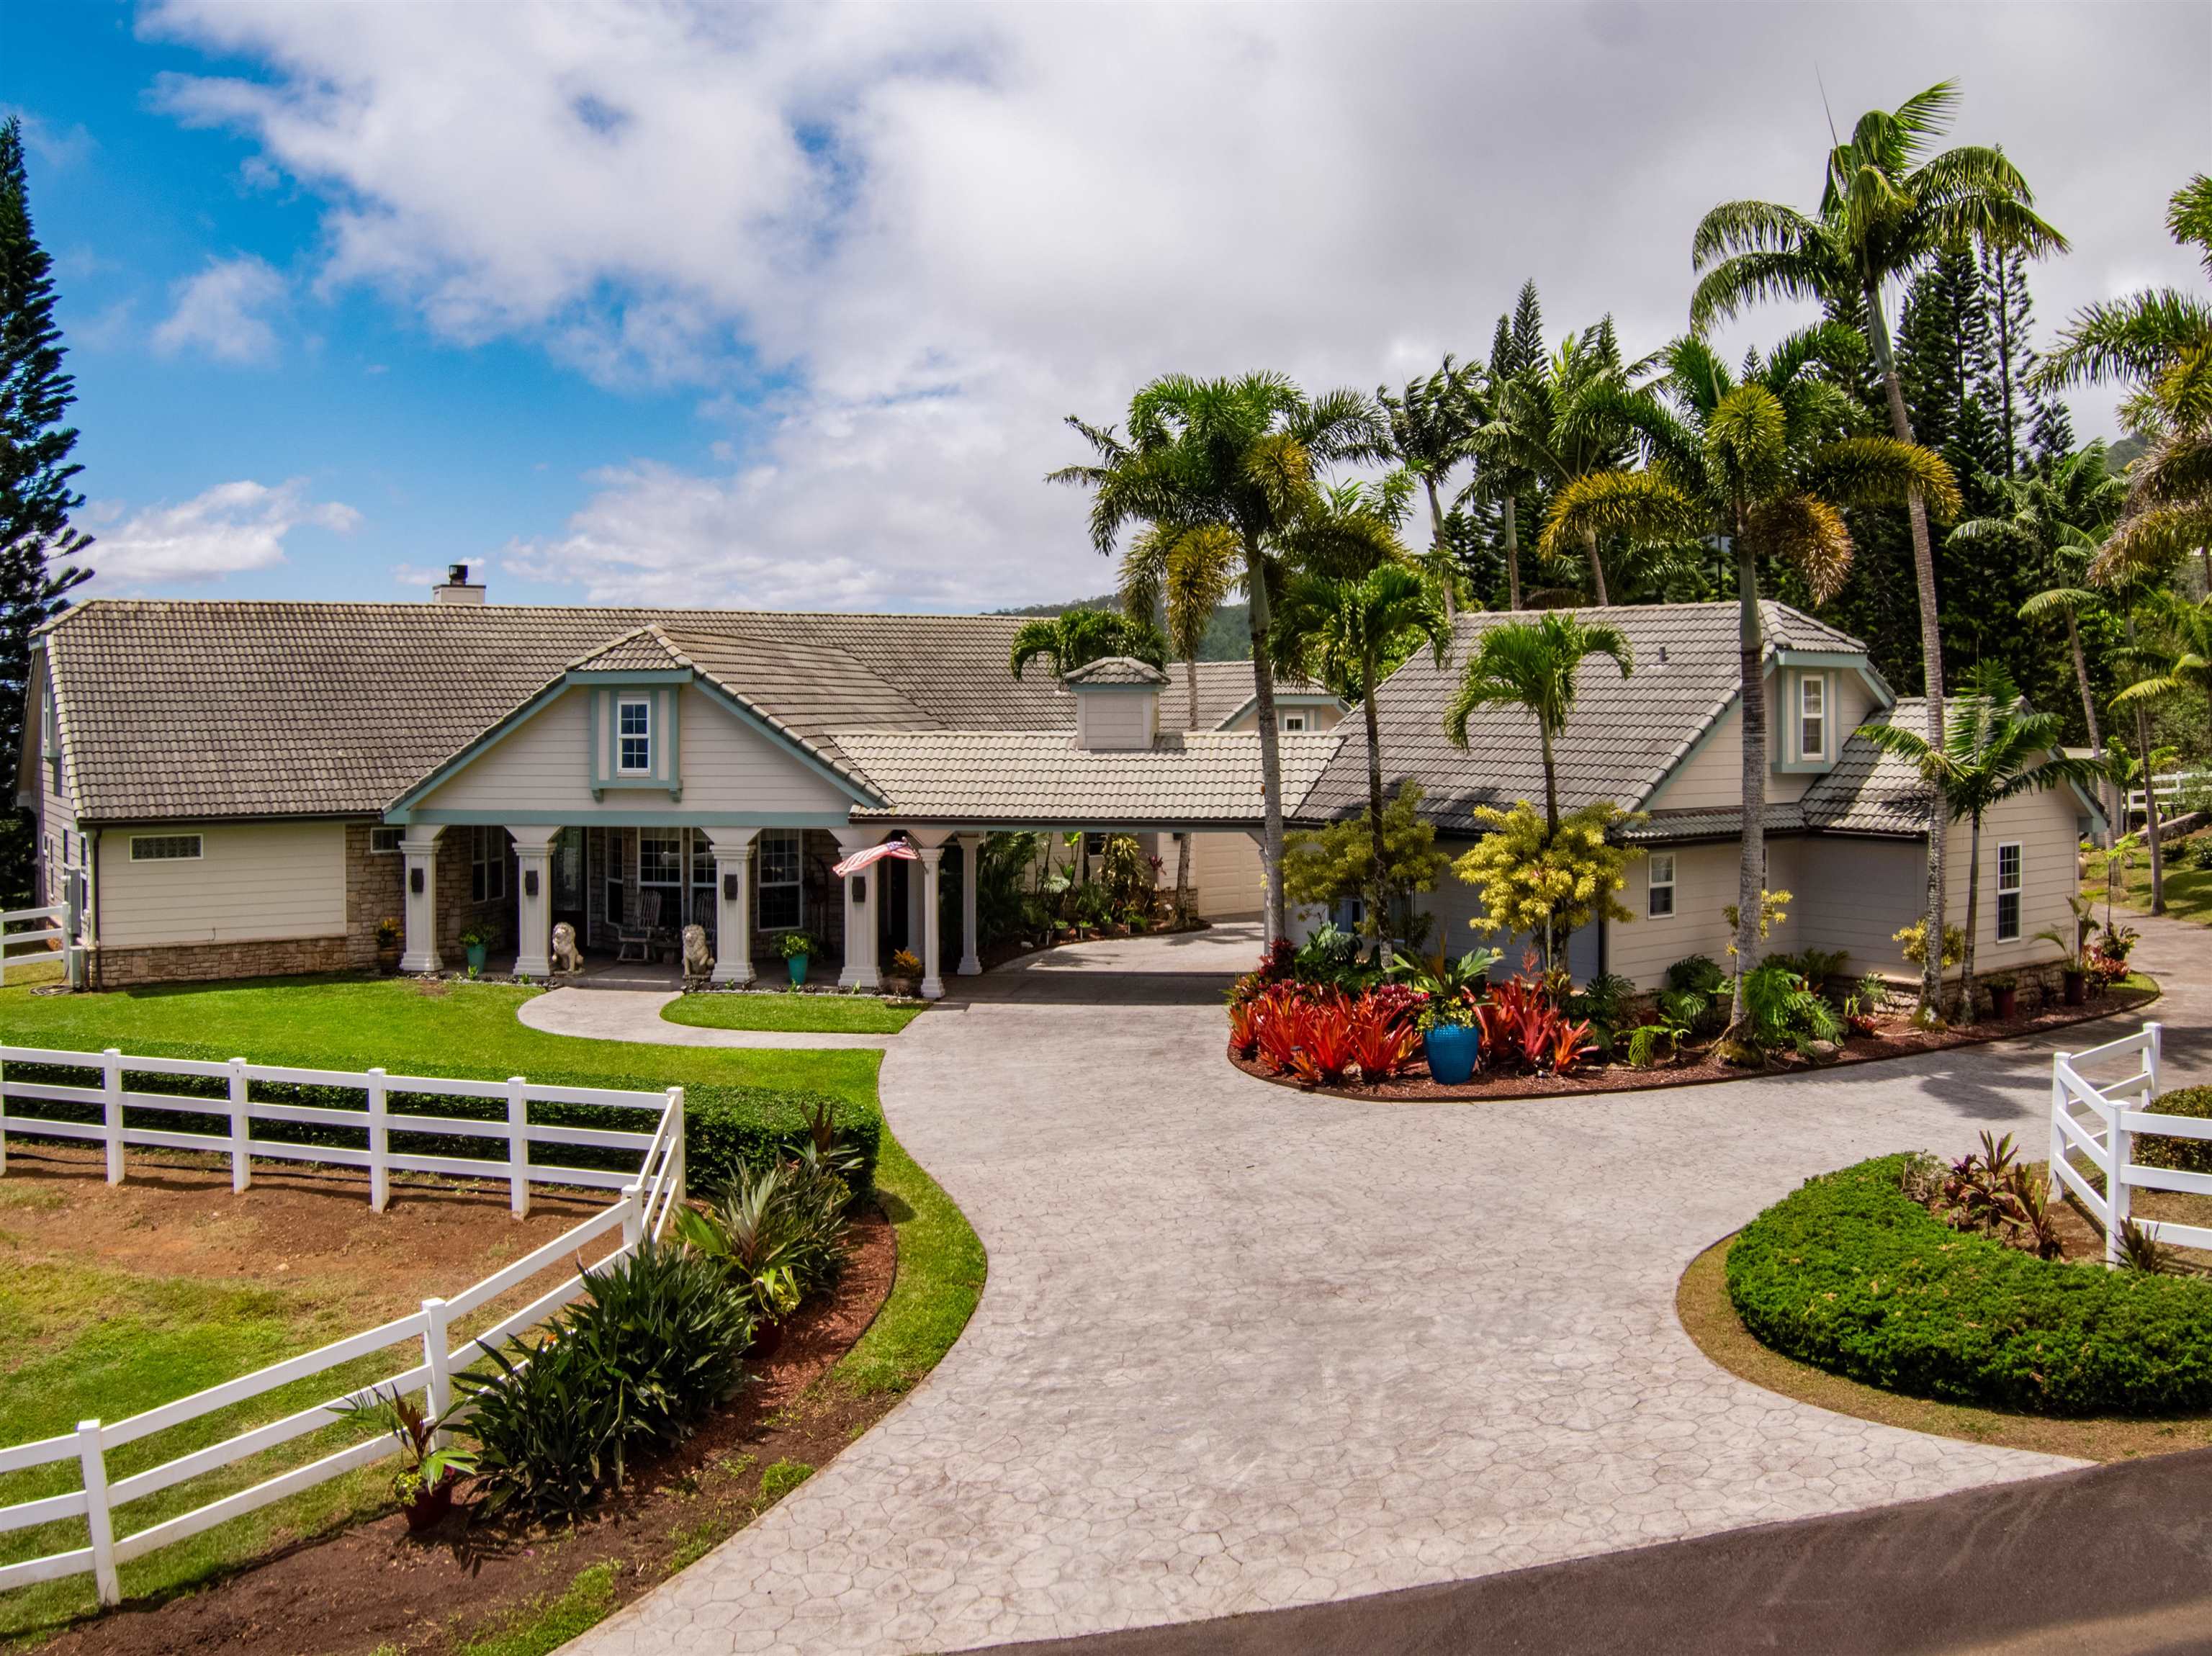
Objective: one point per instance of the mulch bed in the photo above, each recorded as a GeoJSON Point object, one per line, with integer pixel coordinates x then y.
{"type": "Point", "coordinates": [1894, 1038]}
{"type": "Point", "coordinates": [376, 1588]}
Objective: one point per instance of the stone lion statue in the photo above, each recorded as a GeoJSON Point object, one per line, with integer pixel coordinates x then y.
{"type": "Point", "coordinates": [566, 957]}
{"type": "Point", "coordinates": [697, 962]}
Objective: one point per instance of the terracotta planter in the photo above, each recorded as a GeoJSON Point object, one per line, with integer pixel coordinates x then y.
{"type": "Point", "coordinates": [2004, 1004]}
{"type": "Point", "coordinates": [2075, 988]}
{"type": "Point", "coordinates": [429, 1509]}
{"type": "Point", "coordinates": [900, 988]}
{"type": "Point", "coordinates": [387, 959]}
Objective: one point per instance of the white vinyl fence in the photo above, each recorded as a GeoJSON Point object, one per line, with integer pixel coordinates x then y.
{"type": "Point", "coordinates": [48, 926]}
{"type": "Point", "coordinates": [2100, 1120]}
{"type": "Point", "coordinates": [646, 1198]}
{"type": "Point", "coordinates": [2169, 785]}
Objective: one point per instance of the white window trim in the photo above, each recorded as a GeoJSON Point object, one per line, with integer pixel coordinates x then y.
{"type": "Point", "coordinates": [384, 841]}
{"type": "Point", "coordinates": [623, 703]}
{"type": "Point", "coordinates": [2017, 890]}
{"type": "Point", "coordinates": [197, 852]}
{"type": "Point", "coordinates": [1294, 724]}
{"type": "Point", "coordinates": [1652, 885]}
{"type": "Point", "coordinates": [797, 882]}
{"type": "Point", "coordinates": [1806, 682]}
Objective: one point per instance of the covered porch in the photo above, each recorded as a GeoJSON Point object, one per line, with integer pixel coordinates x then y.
{"type": "Point", "coordinates": [628, 889]}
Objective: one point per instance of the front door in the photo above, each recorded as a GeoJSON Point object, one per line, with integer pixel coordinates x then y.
{"type": "Point", "coordinates": [569, 878]}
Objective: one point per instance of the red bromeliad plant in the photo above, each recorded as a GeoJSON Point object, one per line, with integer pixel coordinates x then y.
{"type": "Point", "coordinates": [1396, 1003]}
{"type": "Point", "coordinates": [1383, 1043]}
{"type": "Point", "coordinates": [1244, 1028]}
{"type": "Point", "coordinates": [1327, 1042]}
{"type": "Point", "coordinates": [1279, 1017]}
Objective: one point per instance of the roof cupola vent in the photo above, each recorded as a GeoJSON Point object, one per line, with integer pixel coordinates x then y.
{"type": "Point", "coordinates": [457, 588]}
{"type": "Point", "coordinates": [1117, 702]}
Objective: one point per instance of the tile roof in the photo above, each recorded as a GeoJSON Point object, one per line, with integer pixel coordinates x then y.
{"type": "Point", "coordinates": [1224, 690]}
{"type": "Point", "coordinates": [1116, 670]}
{"type": "Point", "coordinates": [1870, 791]}
{"type": "Point", "coordinates": [209, 710]}
{"type": "Point", "coordinates": [1623, 736]}
{"type": "Point", "coordinates": [1660, 827]}
{"type": "Point", "coordinates": [1041, 777]}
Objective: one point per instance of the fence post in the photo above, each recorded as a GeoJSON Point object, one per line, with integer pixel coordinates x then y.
{"type": "Point", "coordinates": [518, 1147]}
{"type": "Point", "coordinates": [3, 1116]}
{"type": "Point", "coordinates": [241, 1174]}
{"type": "Point", "coordinates": [2058, 1107]}
{"type": "Point", "coordinates": [2152, 1057]}
{"type": "Point", "coordinates": [633, 1216]}
{"type": "Point", "coordinates": [111, 1078]}
{"type": "Point", "coordinates": [379, 1146]}
{"type": "Point", "coordinates": [2119, 1149]}
{"type": "Point", "coordinates": [438, 1393]}
{"type": "Point", "coordinates": [676, 1143]}
{"type": "Point", "coordinates": [94, 1462]}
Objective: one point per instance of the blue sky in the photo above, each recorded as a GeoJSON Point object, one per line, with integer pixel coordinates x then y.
{"type": "Point", "coordinates": [783, 306]}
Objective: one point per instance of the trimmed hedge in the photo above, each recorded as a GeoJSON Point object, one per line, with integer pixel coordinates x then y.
{"type": "Point", "coordinates": [2184, 1154]}
{"type": "Point", "coordinates": [1851, 1275]}
{"type": "Point", "coordinates": [726, 1128]}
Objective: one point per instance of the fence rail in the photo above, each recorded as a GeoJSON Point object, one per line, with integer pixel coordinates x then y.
{"type": "Point", "coordinates": [2170, 786]}
{"type": "Point", "coordinates": [647, 1197]}
{"type": "Point", "coordinates": [50, 927]}
{"type": "Point", "coordinates": [2102, 1121]}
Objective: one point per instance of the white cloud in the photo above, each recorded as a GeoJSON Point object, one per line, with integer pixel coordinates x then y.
{"type": "Point", "coordinates": [224, 311]}
{"type": "Point", "coordinates": [935, 231]}
{"type": "Point", "coordinates": [231, 529]}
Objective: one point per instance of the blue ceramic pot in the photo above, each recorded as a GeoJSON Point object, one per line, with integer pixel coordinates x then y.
{"type": "Point", "coordinates": [477, 953]}
{"type": "Point", "coordinates": [1451, 1050]}
{"type": "Point", "coordinates": [798, 965]}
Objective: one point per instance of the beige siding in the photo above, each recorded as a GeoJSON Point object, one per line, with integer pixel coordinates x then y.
{"type": "Point", "coordinates": [1706, 883]}
{"type": "Point", "coordinates": [1115, 718]}
{"type": "Point", "coordinates": [1226, 875]}
{"type": "Point", "coordinates": [2045, 826]}
{"type": "Point", "coordinates": [251, 881]}
{"type": "Point", "coordinates": [1712, 777]}
{"type": "Point", "coordinates": [1854, 895]}
{"type": "Point", "coordinates": [546, 766]}
{"type": "Point", "coordinates": [1326, 716]}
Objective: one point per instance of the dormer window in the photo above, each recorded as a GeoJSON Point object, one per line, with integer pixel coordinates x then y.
{"type": "Point", "coordinates": [1812, 716]}
{"type": "Point", "coordinates": [634, 736]}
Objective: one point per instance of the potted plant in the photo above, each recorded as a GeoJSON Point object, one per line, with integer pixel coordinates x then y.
{"type": "Point", "coordinates": [388, 934]}
{"type": "Point", "coordinates": [1451, 1039]}
{"type": "Point", "coordinates": [904, 977]}
{"type": "Point", "coordinates": [428, 1471]}
{"type": "Point", "coordinates": [796, 947]}
{"type": "Point", "coordinates": [475, 943]}
{"type": "Point", "coordinates": [2004, 995]}
{"type": "Point", "coordinates": [2073, 970]}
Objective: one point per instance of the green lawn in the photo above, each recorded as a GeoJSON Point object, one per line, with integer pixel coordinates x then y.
{"type": "Point", "coordinates": [2188, 891]}
{"type": "Point", "coordinates": [851, 1014]}
{"type": "Point", "coordinates": [80, 1342]}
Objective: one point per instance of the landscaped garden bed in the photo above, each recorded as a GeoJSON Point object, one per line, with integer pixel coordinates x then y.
{"type": "Point", "coordinates": [1317, 1020]}
{"type": "Point", "coordinates": [1964, 1300]}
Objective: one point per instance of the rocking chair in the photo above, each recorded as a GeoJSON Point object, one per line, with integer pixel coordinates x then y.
{"type": "Point", "coordinates": [643, 934]}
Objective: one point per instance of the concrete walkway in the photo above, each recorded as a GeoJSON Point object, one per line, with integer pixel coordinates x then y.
{"type": "Point", "coordinates": [598, 1013]}
{"type": "Point", "coordinates": [1244, 1349]}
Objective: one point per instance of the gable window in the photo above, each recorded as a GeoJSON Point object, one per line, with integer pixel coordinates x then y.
{"type": "Point", "coordinates": [487, 864]}
{"type": "Point", "coordinates": [163, 847]}
{"type": "Point", "coordinates": [2009, 892]}
{"type": "Point", "coordinates": [1813, 717]}
{"type": "Point", "coordinates": [385, 841]}
{"type": "Point", "coordinates": [1659, 878]}
{"type": "Point", "coordinates": [1293, 723]}
{"type": "Point", "coordinates": [634, 736]}
{"type": "Point", "coordinates": [783, 900]}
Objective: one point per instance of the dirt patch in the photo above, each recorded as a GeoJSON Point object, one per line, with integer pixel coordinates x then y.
{"type": "Point", "coordinates": [375, 1588]}
{"type": "Point", "coordinates": [175, 1214]}
{"type": "Point", "coordinates": [1894, 1038]}
{"type": "Point", "coordinates": [1701, 1302]}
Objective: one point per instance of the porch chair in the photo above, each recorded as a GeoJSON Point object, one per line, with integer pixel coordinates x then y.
{"type": "Point", "coordinates": [642, 934]}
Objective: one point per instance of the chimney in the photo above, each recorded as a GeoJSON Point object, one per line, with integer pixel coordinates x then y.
{"type": "Point", "coordinates": [457, 588]}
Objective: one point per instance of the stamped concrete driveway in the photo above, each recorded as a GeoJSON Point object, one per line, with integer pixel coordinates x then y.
{"type": "Point", "coordinates": [1242, 1348]}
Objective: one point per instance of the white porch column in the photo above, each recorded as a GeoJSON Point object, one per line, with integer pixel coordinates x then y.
{"type": "Point", "coordinates": [733, 903]}
{"type": "Point", "coordinates": [929, 845]}
{"type": "Point", "coordinates": [534, 899]}
{"type": "Point", "coordinates": [971, 868]}
{"type": "Point", "coordinates": [1260, 845]}
{"type": "Point", "coordinates": [971, 875]}
{"type": "Point", "coordinates": [860, 904]}
{"type": "Point", "coordinates": [418, 849]}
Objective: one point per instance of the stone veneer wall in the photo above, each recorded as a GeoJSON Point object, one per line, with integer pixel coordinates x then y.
{"type": "Point", "coordinates": [197, 962]}
{"type": "Point", "coordinates": [376, 884]}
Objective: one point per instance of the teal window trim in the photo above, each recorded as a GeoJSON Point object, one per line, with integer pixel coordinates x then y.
{"type": "Point", "coordinates": [663, 695]}
{"type": "Point", "coordinates": [620, 816]}
{"type": "Point", "coordinates": [630, 677]}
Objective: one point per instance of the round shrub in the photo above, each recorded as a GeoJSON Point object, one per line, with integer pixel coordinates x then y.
{"type": "Point", "coordinates": [2184, 1154]}
{"type": "Point", "coordinates": [1851, 1275]}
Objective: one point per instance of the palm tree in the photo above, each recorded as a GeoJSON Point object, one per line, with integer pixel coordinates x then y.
{"type": "Point", "coordinates": [1763, 464]}
{"type": "Point", "coordinates": [1888, 206]}
{"type": "Point", "coordinates": [1533, 665]}
{"type": "Point", "coordinates": [2160, 341]}
{"type": "Point", "coordinates": [1517, 351]}
{"type": "Point", "coordinates": [2055, 521]}
{"type": "Point", "coordinates": [1995, 748]}
{"type": "Point", "coordinates": [1349, 633]}
{"type": "Point", "coordinates": [1241, 456]}
{"type": "Point", "coordinates": [1080, 635]}
{"type": "Point", "coordinates": [1431, 425]}
{"type": "Point", "coordinates": [2178, 652]}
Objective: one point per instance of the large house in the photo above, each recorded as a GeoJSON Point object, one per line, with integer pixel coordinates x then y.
{"type": "Point", "coordinates": [226, 789]}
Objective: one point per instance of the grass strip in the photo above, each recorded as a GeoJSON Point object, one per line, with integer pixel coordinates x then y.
{"type": "Point", "coordinates": [837, 1015]}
